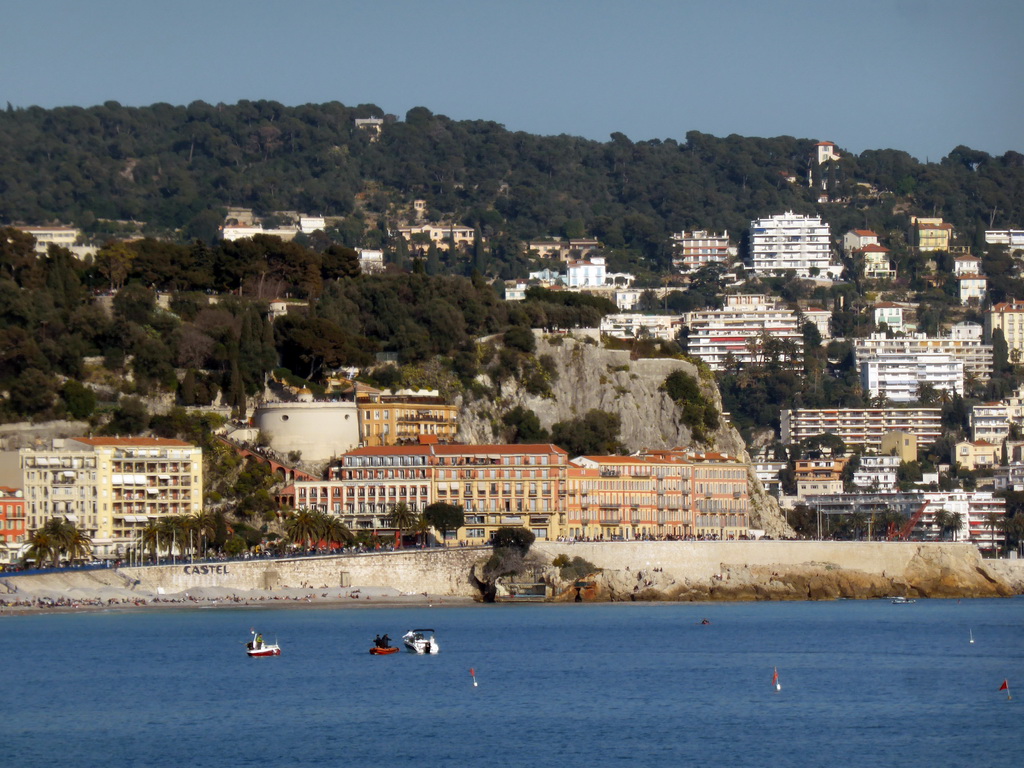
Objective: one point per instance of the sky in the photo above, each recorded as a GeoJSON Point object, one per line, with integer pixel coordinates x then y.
{"type": "Point", "coordinates": [918, 75]}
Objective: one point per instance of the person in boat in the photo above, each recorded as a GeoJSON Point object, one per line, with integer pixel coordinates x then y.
{"type": "Point", "coordinates": [385, 642]}
{"type": "Point", "coordinates": [705, 621]}
{"type": "Point", "coordinates": [377, 641]}
{"type": "Point", "coordinates": [259, 641]}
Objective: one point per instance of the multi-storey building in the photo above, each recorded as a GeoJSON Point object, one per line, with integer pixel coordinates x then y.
{"type": "Point", "coordinates": [964, 345]}
{"type": "Point", "coordinates": [112, 487]}
{"type": "Point", "coordinates": [586, 273]}
{"type": "Point", "coordinates": [818, 477]}
{"type": "Point", "coordinates": [1008, 317]}
{"type": "Point", "coordinates": [65, 237]}
{"type": "Point", "coordinates": [990, 421]}
{"type": "Point", "coordinates": [932, 234]}
{"type": "Point", "coordinates": [980, 513]}
{"type": "Point", "coordinates": [632, 326]}
{"type": "Point", "coordinates": [877, 264]}
{"type": "Point", "coordinates": [739, 332]}
{"type": "Point", "coordinates": [396, 418]}
{"type": "Point", "coordinates": [889, 314]}
{"type": "Point", "coordinates": [440, 234]}
{"type": "Point", "coordinates": [564, 250]}
{"type": "Point", "coordinates": [861, 426]}
{"type": "Point", "coordinates": [789, 242]}
{"type": "Point", "coordinates": [1011, 238]}
{"type": "Point", "coordinates": [972, 288]}
{"type": "Point", "coordinates": [877, 473]}
{"type": "Point", "coordinates": [693, 250]}
{"type": "Point", "coordinates": [976, 454]}
{"type": "Point", "coordinates": [900, 378]}
{"type": "Point", "coordinates": [657, 494]}
{"type": "Point", "coordinates": [13, 532]}
{"type": "Point", "coordinates": [856, 239]}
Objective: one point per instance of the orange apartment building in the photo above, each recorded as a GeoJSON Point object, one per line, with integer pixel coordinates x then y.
{"type": "Point", "coordinates": [659, 494]}
{"type": "Point", "coordinates": [13, 530]}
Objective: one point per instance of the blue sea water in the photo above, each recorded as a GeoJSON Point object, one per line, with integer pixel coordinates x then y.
{"type": "Point", "coordinates": [864, 683]}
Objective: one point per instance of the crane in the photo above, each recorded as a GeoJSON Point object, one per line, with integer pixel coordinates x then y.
{"type": "Point", "coordinates": [908, 527]}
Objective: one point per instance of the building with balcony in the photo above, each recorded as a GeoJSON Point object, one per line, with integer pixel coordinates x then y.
{"type": "Point", "coordinates": [964, 344]}
{"type": "Point", "coordinates": [877, 264]}
{"type": "Point", "coordinates": [1008, 317]}
{"type": "Point", "coordinates": [890, 315]}
{"type": "Point", "coordinates": [441, 235]}
{"type": "Point", "coordinates": [864, 427]}
{"type": "Point", "coordinates": [693, 250]}
{"type": "Point", "coordinates": [976, 454]}
{"type": "Point", "coordinates": [819, 477]}
{"type": "Point", "coordinates": [1013, 239]}
{"type": "Point", "coordinates": [404, 416]}
{"type": "Point", "coordinates": [111, 487]}
{"type": "Point", "coordinates": [743, 332]}
{"type": "Point", "coordinates": [902, 378]}
{"type": "Point", "coordinates": [857, 239]}
{"type": "Point", "coordinates": [877, 473]}
{"type": "Point", "coordinates": [972, 289]}
{"type": "Point", "coordinates": [13, 529]}
{"type": "Point", "coordinates": [990, 421]}
{"type": "Point", "coordinates": [789, 242]}
{"type": "Point", "coordinates": [634, 326]}
{"type": "Point", "coordinates": [932, 234]}
{"type": "Point", "coordinates": [572, 249]}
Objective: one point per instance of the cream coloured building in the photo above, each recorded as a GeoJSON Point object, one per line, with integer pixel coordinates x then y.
{"type": "Point", "coordinates": [1008, 317]}
{"type": "Point", "coordinates": [111, 487]}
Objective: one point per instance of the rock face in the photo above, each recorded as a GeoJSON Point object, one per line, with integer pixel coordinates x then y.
{"type": "Point", "coordinates": [589, 377]}
{"type": "Point", "coordinates": [911, 570]}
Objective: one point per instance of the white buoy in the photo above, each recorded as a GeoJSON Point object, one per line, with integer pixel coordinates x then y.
{"type": "Point", "coordinates": [972, 635]}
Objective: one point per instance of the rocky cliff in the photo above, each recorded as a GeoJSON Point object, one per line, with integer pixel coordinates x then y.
{"type": "Point", "coordinates": [590, 376]}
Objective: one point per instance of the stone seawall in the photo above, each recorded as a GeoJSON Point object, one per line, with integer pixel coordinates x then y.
{"type": "Point", "coordinates": [741, 570]}
{"type": "Point", "coordinates": [435, 571]}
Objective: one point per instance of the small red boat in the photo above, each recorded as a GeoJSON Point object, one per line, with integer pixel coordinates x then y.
{"type": "Point", "coordinates": [383, 651]}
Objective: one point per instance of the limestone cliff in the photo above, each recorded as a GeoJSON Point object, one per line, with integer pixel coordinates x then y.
{"type": "Point", "coordinates": [590, 376]}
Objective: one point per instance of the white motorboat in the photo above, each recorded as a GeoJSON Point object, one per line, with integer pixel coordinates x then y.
{"type": "Point", "coordinates": [420, 641]}
{"type": "Point", "coordinates": [256, 648]}
{"type": "Point", "coordinates": [903, 601]}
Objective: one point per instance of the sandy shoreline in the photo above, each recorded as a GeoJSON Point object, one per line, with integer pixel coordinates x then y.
{"type": "Point", "coordinates": [111, 599]}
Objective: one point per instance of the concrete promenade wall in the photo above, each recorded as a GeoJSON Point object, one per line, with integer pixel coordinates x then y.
{"type": "Point", "coordinates": [698, 560]}
{"type": "Point", "coordinates": [435, 571]}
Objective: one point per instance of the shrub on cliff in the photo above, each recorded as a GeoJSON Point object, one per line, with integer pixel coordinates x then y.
{"type": "Point", "coordinates": [519, 539]}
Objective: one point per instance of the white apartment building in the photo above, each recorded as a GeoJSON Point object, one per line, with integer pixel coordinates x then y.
{"type": "Point", "coordinates": [990, 422]}
{"type": "Point", "coordinates": [877, 473]}
{"type": "Point", "coordinates": [899, 378]}
{"type": "Point", "coordinates": [877, 264]}
{"type": "Point", "coordinates": [1011, 238]}
{"type": "Point", "coordinates": [861, 426]}
{"type": "Point", "coordinates": [822, 320]}
{"type": "Point", "coordinates": [963, 344]}
{"type": "Point", "coordinates": [966, 265]}
{"type": "Point", "coordinates": [791, 242]}
{"type": "Point", "coordinates": [111, 487]}
{"type": "Point", "coordinates": [65, 237]}
{"type": "Point", "coordinates": [736, 332]}
{"type": "Point", "coordinates": [231, 232]}
{"type": "Point", "coordinates": [633, 326]}
{"type": "Point", "coordinates": [972, 288]}
{"type": "Point", "coordinates": [515, 290]}
{"type": "Point", "coordinates": [975, 508]}
{"type": "Point", "coordinates": [693, 250]}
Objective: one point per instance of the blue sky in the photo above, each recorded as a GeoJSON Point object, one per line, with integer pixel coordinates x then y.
{"type": "Point", "coordinates": [917, 75]}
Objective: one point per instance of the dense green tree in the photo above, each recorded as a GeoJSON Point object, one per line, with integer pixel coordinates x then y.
{"type": "Point", "coordinates": [445, 517]}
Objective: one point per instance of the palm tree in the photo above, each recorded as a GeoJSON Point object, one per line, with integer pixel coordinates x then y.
{"type": "Point", "coordinates": [205, 526]}
{"type": "Point", "coordinates": [42, 546]}
{"type": "Point", "coordinates": [858, 523]}
{"type": "Point", "coordinates": [941, 521]}
{"type": "Point", "coordinates": [993, 518]}
{"type": "Point", "coordinates": [78, 545]}
{"type": "Point", "coordinates": [400, 517]}
{"type": "Point", "coordinates": [421, 527]}
{"type": "Point", "coordinates": [954, 522]}
{"type": "Point", "coordinates": [336, 532]}
{"type": "Point", "coordinates": [304, 527]}
{"type": "Point", "coordinates": [150, 536]}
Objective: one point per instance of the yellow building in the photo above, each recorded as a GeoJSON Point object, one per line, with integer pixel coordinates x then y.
{"type": "Point", "coordinates": [977, 454]}
{"type": "Point", "coordinates": [112, 487]}
{"type": "Point", "coordinates": [932, 234]}
{"type": "Point", "coordinates": [400, 418]}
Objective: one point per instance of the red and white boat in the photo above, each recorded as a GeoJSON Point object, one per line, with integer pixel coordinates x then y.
{"type": "Point", "coordinates": [256, 647]}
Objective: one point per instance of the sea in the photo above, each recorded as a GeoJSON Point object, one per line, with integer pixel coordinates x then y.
{"type": "Point", "coordinates": [863, 683]}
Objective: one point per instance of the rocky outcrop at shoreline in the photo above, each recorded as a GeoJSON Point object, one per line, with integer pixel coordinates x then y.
{"type": "Point", "coordinates": [929, 571]}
